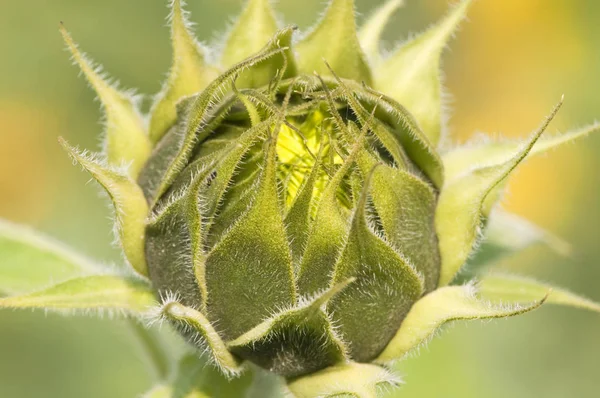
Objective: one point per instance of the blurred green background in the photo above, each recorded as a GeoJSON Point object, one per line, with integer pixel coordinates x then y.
{"type": "Point", "coordinates": [508, 66]}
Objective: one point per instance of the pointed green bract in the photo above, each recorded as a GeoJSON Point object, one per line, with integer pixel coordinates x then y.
{"type": "Point", "coordinates": [406, 207]}
{"type": "Point", "coordinates": [193, 208]}
{"type": "Point", "coordinates": [126, 142]}
{"type": "Point", "coordinates": [370, 33]}
{"type": "Point", "coordinates": [370, 310]}
{"type": "Point", "coordinates": [131, 208]}
{"type": "Point", "coordinates": [253, 33]}
{"type": "Point", "coordinates": [179, 222]}
{"type": "Point", "coordinates": [518, 289]}
{"type": "Point", "coordinates": [406, 130]}
{"type": "Point", "coordinates": [322, 247]}
{"type": "Point", "coordinates": [198, 329]}
{"type": "Point", "coordinates": [252, 262]}
{"type": "Point", "coordinates": [506, 234]}
{"type": "Point", "coordinates": [226, 169]}
{"type": "Point", "coordinates": [463, 203]}
{"type": "Point", "coordinates": [335, 40]}
{"type": "Point", "coordinates": [411, 75]}
{"type": "Point", "coordinates": [327, 235]}
{"type": "Point", "coordinates": [251, 109]}
{"type": "Point", "coordinates": [31, 261]}
{"type": "Point", "coordinates": [91, 293]}
{"type": "Point", "coordinates": [168, 267]}
{"type": "Point", "coordinates": [175, 150]}
{"type": "Point", "coordinates": [150, 179]}
{"type": "Point", "coordinates": [189, 73]}
{"type": "Point", "coordinates": [413, 139]}
{"type": "Point", "coordinates": [388, 138]}
{"type": "Point", "coordinates": [280, 66]}
{"type": "Point", "coordinates": [296, 341]}
{"type": "Point", "coordinates": [356, 380]}
{"type": "Point", "coordinates": [298, 220]}
{"type": "Point", "coordinates": [451, 303]}
{"type": "Point", "coordinates": [238, 197]}
{"type": "Point", "coordinates": [255, 27]}
{"type": "Point", "coordinates": [463, 159]}
{"type": "Point", "coordinates": [459, 215]}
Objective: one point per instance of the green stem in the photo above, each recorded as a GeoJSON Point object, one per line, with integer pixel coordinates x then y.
{"type": "Point", "coordinates": [152, 349]}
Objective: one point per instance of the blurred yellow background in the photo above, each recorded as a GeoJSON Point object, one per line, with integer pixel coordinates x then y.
{"type": "Point", "coordinates": [508, 66]}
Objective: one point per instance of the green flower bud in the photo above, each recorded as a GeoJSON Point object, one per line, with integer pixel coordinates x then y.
{"type": "Point", "coordinates": [292, 207]}
{"type": "Point", "coordinates": [286, 201]}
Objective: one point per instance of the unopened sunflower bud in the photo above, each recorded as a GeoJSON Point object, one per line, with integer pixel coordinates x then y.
{"type": "Point", "coordinates": [295, 200]}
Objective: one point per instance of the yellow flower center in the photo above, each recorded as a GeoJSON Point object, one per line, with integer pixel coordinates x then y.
{"type": "Point", "coordinates": [298, 150]}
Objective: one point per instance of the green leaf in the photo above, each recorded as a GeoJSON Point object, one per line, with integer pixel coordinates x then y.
{"type": "Point", "coordinates": [253, 33]}
{"type": "Point", "coordinates": [386, 287]}
{"type": "Point", "coordinates": [176, 149]}
{"type": "Point", "coordinates": [31, 261]}
{"type": "Point", "coordinates": [506, 234]}
{"type": "Point", "coordinates": [161, 391]}
{"type": "Point", "coordinates": [518, 289]}
{"type": "Point", "coordinates": [125, 142]}
{"type": "Point", "coordinates": [463, 159]}
{"type": "Point", "coordinates": [335, 39]}
{"type": "Point", "coordinates": [411, 75]}
{"type": "Point", "coordinates": [356, 380]}
{"type": "Point", "coordinates": [92, 293]}
{"type": "Point", "coordinates": [463, 203]}
{"type": "Point", "coordinates": [189, 73]}
{"type": "Point", "coordinates": [294, 342]}
{"type": "Point", "coordinates": [198, 329]}
{"type": "Point", "coordinates": [252, 262]}
{"type": "Point", "coordinates": [370, 33]}
{"type": "Point", "coordinates": [131, 208]}
{"type": "Point", "coordinates": [451, 303]}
